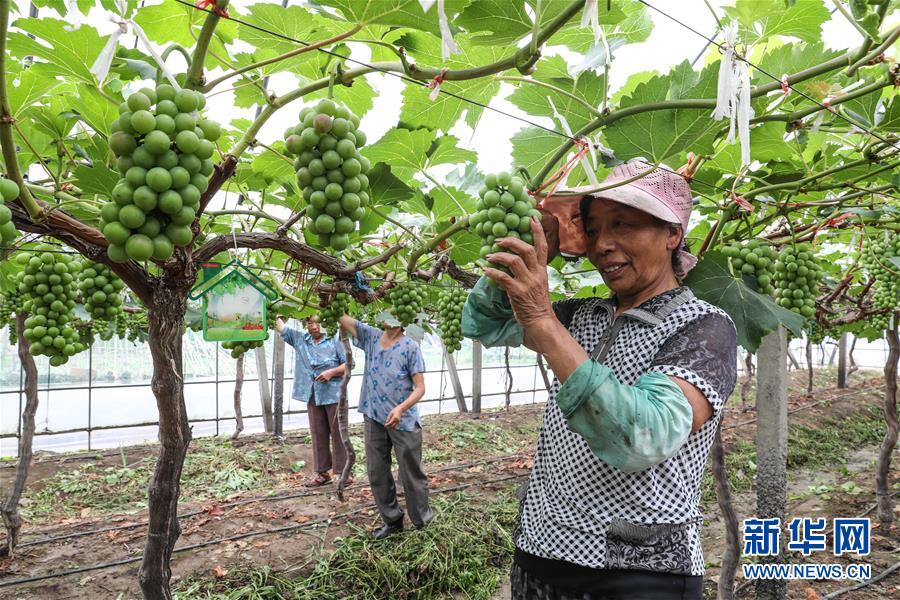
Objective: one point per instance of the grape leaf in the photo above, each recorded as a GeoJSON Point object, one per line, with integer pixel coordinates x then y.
{"type": "Point", "coordinates": [891, 119]}
{"type": "Point", "coordinates": [789, 59]}
{"type": "Point", "coordinates": [385, 188]}
{"type": "Point", "coordinates": [400, 13]}
{"type": "Point", "coordinates": [754, 315]}
{"type": "Point", "coordinates": [465, 249]}
{"type": "Point", "coordinates": [293, 22]}
{"type": "Point", "coordinates": [802, 19]}
{"type": "Point", "coordinates": [447, 152]}
{"type": "Point", "coordinates": [71, 52]}
{"type": "Point", "coordinates": [94, 108]}
{"type": "Point", "coordinates": [273, 167]}
{"type": "Point", "coordinates": [505, 21]}
{"type": "Point", "coordinates": [30, 85]}
{"type": "Point", "coordinates": [405, 151]}
{"type": "Point", "coordinates": [98, 179]}
{"type": "Point", "coordinates": [447, 204]}
{"type": "Point", "coordinates": [418, 109]}
{"type": "Point", "coordinates": [536, 100]}
{"type": "Point", "coordinates": [661, 134]}
{"type": "Point", "coordinates": [767, 143]}
{"type": "Point", "coordinates": [532, 148]}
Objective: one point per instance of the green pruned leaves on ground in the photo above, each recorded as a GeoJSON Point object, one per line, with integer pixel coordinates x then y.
{"type": "Point", "coordinates": [754, 315]}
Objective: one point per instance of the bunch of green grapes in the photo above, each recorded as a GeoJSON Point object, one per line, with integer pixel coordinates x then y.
{"type": "Point", "coordinates": [450, 305]}
{"type": "Point", "coordinates": [406, 302]}
{"type": "Point", "coordinates": [101, 291]}
{"type": "Point", "coordinates": [137, 325]}
{"type": "Point", "coordinates": [239, 348]}
{"type": "Point", "coordinates": [330, 170]}
{"type": "Point", "coordinates": [9, 191]}
{"type": "Point", "coordinates": [333, 311]}
{"type": "Point", "coordinates": [46, 283]}
{"type": "Point", "coordinates": [504, 209]}
{"type": "Point", "coordinates": [754, 259]}
{"type": "Point", "coordinates": [797, 278]}
{"type": "Point", "coordinates": [165, 159]}
{"type": "Point", "coordinates": [876, 259]}
{"type": "Point", "coordinates": [11, 303]}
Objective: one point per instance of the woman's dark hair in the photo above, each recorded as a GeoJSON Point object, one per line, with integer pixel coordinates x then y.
{"type": "Point", "coordinates": [584, 207]}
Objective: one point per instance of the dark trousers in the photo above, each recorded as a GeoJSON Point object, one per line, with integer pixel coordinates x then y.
{"type": "Point", "coordinates": [323, 424]}
{"type": "Point", "coordinates": [597, 584]}
{"type": "Point", "coordinates": [407, 446]}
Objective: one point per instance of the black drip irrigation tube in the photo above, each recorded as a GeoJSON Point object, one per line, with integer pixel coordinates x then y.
{"type": "Point", "coordinates": [274, 531]}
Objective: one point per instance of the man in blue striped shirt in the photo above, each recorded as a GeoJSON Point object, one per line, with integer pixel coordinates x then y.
{"type": "Point", "coordinates": [318, 368]}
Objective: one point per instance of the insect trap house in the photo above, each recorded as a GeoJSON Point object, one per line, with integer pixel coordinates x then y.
{"type": "Point", "coordinates": [234, 304]}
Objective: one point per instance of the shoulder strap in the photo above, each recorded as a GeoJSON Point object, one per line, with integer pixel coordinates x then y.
{"type": "Point", "coordinates": [683, 297]}
{"type": "Point", "coordinates": [609, 336]}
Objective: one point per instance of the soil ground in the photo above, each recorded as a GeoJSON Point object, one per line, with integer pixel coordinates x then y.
{"type": "Point", "coordinates": [256, 484]}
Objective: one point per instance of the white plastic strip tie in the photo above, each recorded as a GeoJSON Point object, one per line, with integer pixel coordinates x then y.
{"type": "Point", "coordinates": [591, 16]}
{"type": "Point", "coordinates": [448, 45]}
{"type": "Point", "coordinates": [585, 163]}
{"type": "Point", "coordinates": [101, 66]}
{"type": "Point", "coordinates": [733, 95]}
{"type": "Point", "coordinates": [73, 15]}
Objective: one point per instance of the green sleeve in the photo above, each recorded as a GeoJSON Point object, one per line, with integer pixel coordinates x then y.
{"type": "Point", "coordinates": [488, 317]}
{"type": "Point", "coordinates": [629, 427]}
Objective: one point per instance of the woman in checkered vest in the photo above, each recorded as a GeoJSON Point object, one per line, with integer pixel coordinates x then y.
{"type": "Point", "coordinates": [612, 508]}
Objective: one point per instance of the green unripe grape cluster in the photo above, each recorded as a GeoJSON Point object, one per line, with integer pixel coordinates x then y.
{"type": "Point", "coordinates": [876, 259]}
{"type": "Point", "coordinates": [504, 209]}
{"type": "Point", "coordinates": [333, 311]}
{"type": "Point", "coordinates": [754, 259]}
{"type": "Point", "coordinates": [101, 291]}
{"type": "Point", "coordinates": [330, 170]}
{"type": "Point", "coordinates": [136, 324]}
{"type": "Point", "coordinates": [406, 302]}
{"type": "Point", "coordinates": [238, 348]}
{"type": "Point", "coordinates": [450, 305]}
{"type": "Point", "coordinates": [47, 284]}
{"type": "Point", "coordinates": [797, 277]}
{"type": "Point", "coordinates": [164, 152]}
{"type": "Point", "coordinates": [9, 191]}
{"type": "Point", "coordinates": [11, 303]}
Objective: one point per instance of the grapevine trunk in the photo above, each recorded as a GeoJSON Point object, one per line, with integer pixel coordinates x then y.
{"type": "Point", "coordinates": [165, 317]}
{"type": "Point", "coordinates": [882, 475]}
{"type": "Point", "coordinates": [11, 517]}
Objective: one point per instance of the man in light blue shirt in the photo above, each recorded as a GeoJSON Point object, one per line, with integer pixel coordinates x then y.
{"type": "Point", "coordinates": [318, 369]}
{"type": "Point", "coordinates": [393, 382]}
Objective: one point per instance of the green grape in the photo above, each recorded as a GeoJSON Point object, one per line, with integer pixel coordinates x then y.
{"type": "Point", "coordinates": [755, 259]}
{"type": "Point", "coordinates": [797, 277]}
{"type": "Point", "coordinates": [504, 209]}
{"type": "Point", "coordinates": [101, 291]}
{"type": "Point", "coordinates": [406, 302]}
{"type": "Point", "coordinates": [9, 191]}
{"type": "Point", "coordinates": [332, 174]}
{"type": "Point", "coordinates": [450, 305]}
{"type": "Point", "coordinates": [333, 311]}
{"type": "Point", "coordinates": [11, 304]}
{"type": "Point", "coordinates": [46, 283]}
{"type": "Point", "coordinates": [876, 260]}
{"type": "Point", "coordinates": [168, 149]}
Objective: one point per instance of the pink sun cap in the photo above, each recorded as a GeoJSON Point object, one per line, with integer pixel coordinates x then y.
{"type": "Point", "coordinates": [660, 192]}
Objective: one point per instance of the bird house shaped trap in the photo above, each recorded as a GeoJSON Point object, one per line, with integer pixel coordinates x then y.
{"type": "Point", "coordinates": [234, 304]}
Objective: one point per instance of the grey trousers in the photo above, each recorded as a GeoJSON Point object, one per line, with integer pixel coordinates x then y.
{"type": "Point", "coordinates": [407, 446]}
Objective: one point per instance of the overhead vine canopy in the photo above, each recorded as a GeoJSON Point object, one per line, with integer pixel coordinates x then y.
{"type": "Point", "coordinates": [823, 136]}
